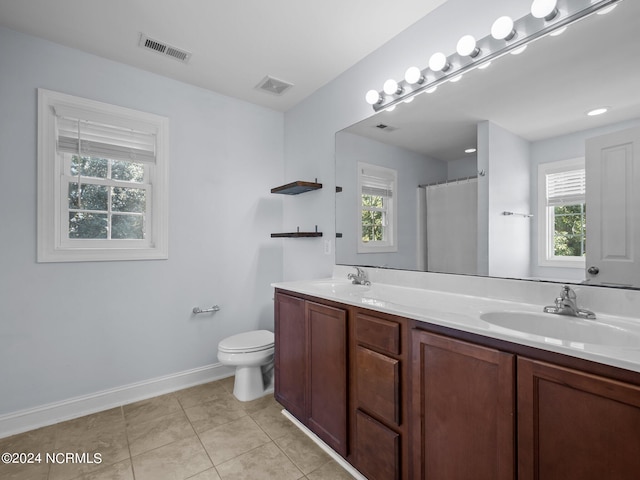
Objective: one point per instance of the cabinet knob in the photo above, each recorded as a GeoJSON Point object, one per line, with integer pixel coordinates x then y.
{"type": "Point", "coordinates": [593, 270]}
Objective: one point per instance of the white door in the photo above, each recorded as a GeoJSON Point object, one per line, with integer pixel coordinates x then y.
{"type": "Point", "coordinates": [613, 208]}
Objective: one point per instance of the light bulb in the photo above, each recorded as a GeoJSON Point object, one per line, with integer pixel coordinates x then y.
{"type": "Point", "coordinates": [431, 90]}
{"type": "Point", "coordinates": [467, 47]}
{"type": "Point", "coordinates": [455, 79]}
{"type": "Point", "coordinates": [413, 75]}
{"type": "Point", "coordinates": [519, 50]}
{"type": "Point", "coordinates": [408, 100]}
{"type": "Point", "coordinates": [470, 150]}
{"type": "Point", "coordinates": [484, 65]}
{"type": "Point", "coordinates": [546, 9]}
{"type": "Point", "coordinates": [372, 97]}
{"type": "Point", "coordinates": [390, 109]}
{"type": "Point", "coordinates": [502, 29]}
{"type": "Point", "coordinates": [390, 87]}
{"type": "Point", "coordinates": [438, 62]}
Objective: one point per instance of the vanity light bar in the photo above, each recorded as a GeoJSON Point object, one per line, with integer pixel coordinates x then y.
{"type": "Point", "coordinates": [525, 30]}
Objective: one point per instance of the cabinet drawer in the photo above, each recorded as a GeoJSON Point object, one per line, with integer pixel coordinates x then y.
{"type": "Point", "coordinates": [383, 335]}
{"type": "Point", "coordinates": [377, 449]}
{"type": "Point", "coordinates": [378, 385]}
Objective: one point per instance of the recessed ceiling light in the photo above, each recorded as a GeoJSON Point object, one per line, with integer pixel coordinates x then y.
{"type": "Point", "coordinates": [598, 111]}
{"type": "Point", "coordinates": [470, 150]}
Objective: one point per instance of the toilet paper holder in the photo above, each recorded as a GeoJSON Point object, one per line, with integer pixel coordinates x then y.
{"type": "Point", "coordinates": [197, 310]}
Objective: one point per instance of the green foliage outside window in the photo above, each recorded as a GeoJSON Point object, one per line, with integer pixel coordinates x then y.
{"type": "Point", "coordinates": [569, 239]}
{"type": "Point", "coordinates": [96, 210]}
{"type": "Point", "coordinates": [372, 218]}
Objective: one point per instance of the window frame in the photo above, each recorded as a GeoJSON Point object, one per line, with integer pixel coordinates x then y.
{"type": "Point", "coordinates": [53, 243]}
{"type": "Point", "coordinates": [389, 244]}
{"type": "Point", "coordinates": [546, 225]}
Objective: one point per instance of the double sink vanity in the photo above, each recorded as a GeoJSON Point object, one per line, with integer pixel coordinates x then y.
{"type": "Point", "coordinates": [416, 379]}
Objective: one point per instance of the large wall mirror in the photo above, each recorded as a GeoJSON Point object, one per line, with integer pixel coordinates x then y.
{"type": "Point", "coordinates": [550, 193]}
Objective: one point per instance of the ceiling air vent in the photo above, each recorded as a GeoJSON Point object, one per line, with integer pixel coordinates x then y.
{"type": "Point", "coordinates": [273, 85]}
{"type": "Point", "coordinates": [164, 48]}
{"type": "Point", "coordinates": [386, 128]}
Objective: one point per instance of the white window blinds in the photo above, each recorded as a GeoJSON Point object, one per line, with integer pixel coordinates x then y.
{"type": "Point", "coordinates": [90, 138]}
{"type": "Point", "coordinates": [566, 187]}
{"type": "Point", "coordinates": [377, 183]}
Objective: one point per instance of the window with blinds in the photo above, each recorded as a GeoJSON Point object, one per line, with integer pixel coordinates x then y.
{"type": "Point", "coordinates": [563, 213]}
{"type": "Point", "coordinates": [102, 173]}
{"type": "Point", "coordinates": [377, 187]}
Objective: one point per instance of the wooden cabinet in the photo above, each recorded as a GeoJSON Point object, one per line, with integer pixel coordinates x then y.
{"type": "Point", "coordinates": [380, 429]}
{"type": "Point", "coordinates": [574, 425]}
{"type": "Point", "coordinates": [401, 399]}
{"type": "Point", "coordinates": [311, 366]}
{"type": "Point", "coordinates": [463, 410]}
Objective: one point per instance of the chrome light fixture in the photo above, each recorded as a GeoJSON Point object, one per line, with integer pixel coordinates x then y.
{"type": "Point", "coordinates": [546, 17]}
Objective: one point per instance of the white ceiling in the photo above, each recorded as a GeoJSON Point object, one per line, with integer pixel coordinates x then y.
{"type": "Point", "coordinates": [234, 43]}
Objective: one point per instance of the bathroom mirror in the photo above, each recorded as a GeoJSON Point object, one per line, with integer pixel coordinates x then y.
{"type": "Point", "coordinates": [522, 111]}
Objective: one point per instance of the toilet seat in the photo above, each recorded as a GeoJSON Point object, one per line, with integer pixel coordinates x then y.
{"type": "Point", "coordinates": [247, 342]}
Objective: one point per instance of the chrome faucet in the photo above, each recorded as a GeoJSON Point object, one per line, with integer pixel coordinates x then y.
{"type": "Point", "coordinates": [359, 278]}
{"type": "Point", "coordinates": [567, 304]}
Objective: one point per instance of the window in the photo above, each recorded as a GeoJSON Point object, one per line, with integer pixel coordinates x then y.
{"type": "Point", "coordinates": [562, 224]}
{"type": "Point", "coordinates": [102, 181]}
{"type": "Point", "coordinates": [377, 209]}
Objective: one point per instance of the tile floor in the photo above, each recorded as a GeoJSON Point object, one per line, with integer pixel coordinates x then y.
{"type": "Point", "coordinates": [200, 433]}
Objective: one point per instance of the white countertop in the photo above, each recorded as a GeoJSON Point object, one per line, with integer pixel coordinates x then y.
{"type": "Point", "coordinates": [463, 312]}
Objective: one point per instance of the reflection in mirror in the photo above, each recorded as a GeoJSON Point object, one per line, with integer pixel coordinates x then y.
{"type": "Point", "coordinates": [490, 212]}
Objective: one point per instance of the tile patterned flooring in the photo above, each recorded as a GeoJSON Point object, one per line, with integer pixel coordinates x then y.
{"type": "Point", "coordinates": [200, 433]}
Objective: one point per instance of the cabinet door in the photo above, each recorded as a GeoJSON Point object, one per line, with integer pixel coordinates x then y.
{"type": "Point", "coordinates": [463, 399]}
{"type": "Point", "coordinates": [327, 357]}
{"type": "Point", "coordinates": [573, 425]}
{"type": "Point", "coordinates": [291, 354]}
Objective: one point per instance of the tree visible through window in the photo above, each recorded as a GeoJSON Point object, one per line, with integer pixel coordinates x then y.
{"type": "Point", "coordinates": [563, 213]}
{"type": "Point", "coordinates": [102, 181]}
{"type": "Point", "coordinates": [377, 189]}
{"type": "Point", "coordinates": [106, 198]}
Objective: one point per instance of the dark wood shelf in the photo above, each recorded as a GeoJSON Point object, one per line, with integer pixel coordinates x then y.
{"type": "Point", "coordinates": [295, 188]}
{"type": "Point", "coordinates": [296, 235]}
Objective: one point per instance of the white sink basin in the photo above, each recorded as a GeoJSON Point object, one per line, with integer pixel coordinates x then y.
{"type": "Point", "coordinates": [565, 328]}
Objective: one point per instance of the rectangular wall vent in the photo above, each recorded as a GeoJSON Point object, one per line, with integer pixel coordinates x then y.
{"type": "Point", "coordinates": [163, 48]}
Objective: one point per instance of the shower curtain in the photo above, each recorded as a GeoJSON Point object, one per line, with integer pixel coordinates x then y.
{"type": "Point", "coordinates": [452, 226]}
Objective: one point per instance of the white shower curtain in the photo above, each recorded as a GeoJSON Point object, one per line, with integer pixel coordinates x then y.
{"type": "Point", "coordinates": [452, 227]}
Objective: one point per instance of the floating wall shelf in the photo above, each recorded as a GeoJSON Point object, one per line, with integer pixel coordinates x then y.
{"type": "Point", "coordinates": [295, 188]}
{"type": "Point", "coordinates": [296, 235]}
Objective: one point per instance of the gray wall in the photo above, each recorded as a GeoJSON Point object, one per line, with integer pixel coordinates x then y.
{"type": "Point", "coordinates": [413, 169]}
{"type": "Point", "coordinates": [68, 330]}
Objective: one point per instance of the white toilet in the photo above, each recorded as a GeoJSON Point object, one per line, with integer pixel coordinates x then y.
{"type": "Point", "coordinates": [252, 355]}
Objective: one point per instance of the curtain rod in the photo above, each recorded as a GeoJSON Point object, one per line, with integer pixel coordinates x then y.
{"type": "Point", "coordinates": [446, 182]}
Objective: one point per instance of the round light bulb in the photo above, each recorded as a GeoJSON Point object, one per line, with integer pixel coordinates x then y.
{"type": "Point", "coordinates": [484, 65]}
{"type": "Point", "coordinates": [431, 90]}
{"type": "Point", "coordinates": [390, 109]}
{"type": "Point", "coordinates": [413, 75]}
{"type": "Point", "coordinates": [438, 62]}
{"type": "Point", "coordinates": [519, 50]}
{"type": "Point", "coordinates": [372, 97]}
{"type": "Point", "coordinates": [455, 79]}
{"type": "Point", "coordinates": [546, 9]}
{"type": "Point", "coordinates": [467, 46]}
{"type": "Point", "coordinates": [390, 87]}
{"type": "Point", "coordinates": [606, 10]}
{"type": "Point", "coordinates": [470, 150]}
{"type": "Point", "coordinates": [502, 29]}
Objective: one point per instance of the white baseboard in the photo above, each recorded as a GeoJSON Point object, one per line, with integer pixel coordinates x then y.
{"type": "Point", "coordinates": [332, 453]}
{"type": "Point", "coordinates": [29, 419]}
